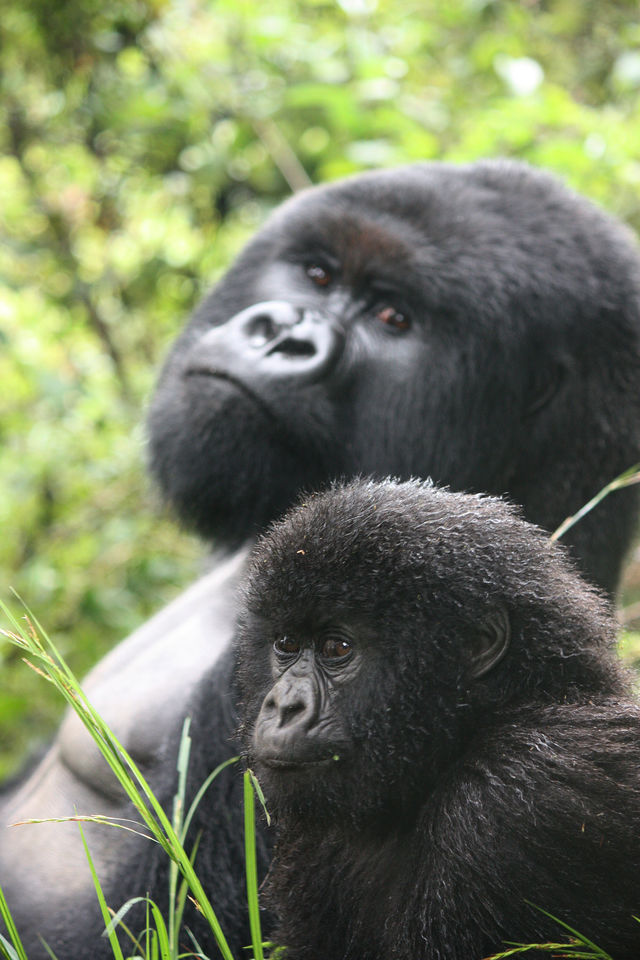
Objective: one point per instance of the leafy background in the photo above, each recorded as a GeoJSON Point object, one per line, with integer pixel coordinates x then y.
{"type": "Point", "coordinates": [141, 142]}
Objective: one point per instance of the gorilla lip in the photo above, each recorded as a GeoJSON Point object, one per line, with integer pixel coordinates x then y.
{"type": "Point", "coordinates": [213, 374]}
{"type": "Point", "coordinates": [277, 764]}
{"type": "Point", "coordinates": [278, 429]}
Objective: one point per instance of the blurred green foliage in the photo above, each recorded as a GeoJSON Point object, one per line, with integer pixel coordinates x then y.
{"type": "Point", "coordinates": [141, 142]}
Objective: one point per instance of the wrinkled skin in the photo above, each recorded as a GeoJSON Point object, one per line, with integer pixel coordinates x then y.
{"type": "Point", "coordinates": [478, 325]}
{"type": "Point", "coordinates": [433, 705]}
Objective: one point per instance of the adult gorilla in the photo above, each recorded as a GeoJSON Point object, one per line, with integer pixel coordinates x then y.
{"type": "Point", "coordinates": [479, 325]}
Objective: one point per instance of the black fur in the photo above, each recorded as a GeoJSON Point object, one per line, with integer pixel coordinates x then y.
{"type": "Point", "coordinates": [452, 798]}
{"type": "Point", "coordinates": [518, 373]}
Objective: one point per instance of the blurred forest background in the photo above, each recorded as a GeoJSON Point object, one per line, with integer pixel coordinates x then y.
{"type": "Point", "coordinates": [142, 141]}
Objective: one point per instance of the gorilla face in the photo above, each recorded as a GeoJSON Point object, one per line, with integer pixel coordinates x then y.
{"type": "Point", "coordinates": [427, 321]}
{"type": "Point", "coordinates": [382, 625]}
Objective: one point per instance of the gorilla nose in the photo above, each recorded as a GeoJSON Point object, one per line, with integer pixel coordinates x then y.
{"type": "Point", "coordinates": [293, 701]}
{"type": "Point", "coordinates": [270, 340]}
{"type": "Point", "coordinates": [288, 716]}
{"type": "Point", "coordinates": [266, 322]}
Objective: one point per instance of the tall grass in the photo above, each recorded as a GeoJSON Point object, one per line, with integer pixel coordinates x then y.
{"type": "Point", "coordinates": [160, 939]}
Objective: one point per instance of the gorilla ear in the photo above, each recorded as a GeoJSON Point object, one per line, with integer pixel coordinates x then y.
{"type": "Point", "coordinates": [490, 643]}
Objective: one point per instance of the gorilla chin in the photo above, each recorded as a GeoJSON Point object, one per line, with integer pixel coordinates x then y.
{"type": "Point", "coordinates": [225, 415]}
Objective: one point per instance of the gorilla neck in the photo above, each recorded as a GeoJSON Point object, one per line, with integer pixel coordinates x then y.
{"type": "Point", "coordinates": [328, 871]}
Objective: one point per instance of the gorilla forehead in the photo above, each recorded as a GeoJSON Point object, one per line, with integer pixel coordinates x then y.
{"type": "Point", "coordinates": [496, 238]}
{"type": "Point", "coordinates": [400, 563]}
{"type": "Point", "coordinates": [353, 541]}
{"type": "Point", "coordinates": [453, 205]}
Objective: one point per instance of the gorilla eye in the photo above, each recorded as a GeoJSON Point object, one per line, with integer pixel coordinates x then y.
{"type": "Point", "coordinates": [320, 276]}
{"type": "Point", "coordinates": [336, 648]}
{"type": "Point", "coordinates": [393, 318]}
{"type": "Point", "coordinates": [286, 646]}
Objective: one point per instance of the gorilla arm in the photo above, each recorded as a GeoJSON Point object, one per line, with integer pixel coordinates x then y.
{"type": "Point", "coordinates": [143, 690]}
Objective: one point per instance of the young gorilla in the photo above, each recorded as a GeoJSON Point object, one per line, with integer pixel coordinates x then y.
{"type": "Point", "coordinates": [434, 708]}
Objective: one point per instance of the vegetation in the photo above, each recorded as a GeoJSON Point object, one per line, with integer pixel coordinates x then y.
{"type": "Point", "coordinates": [162, 935]}
{"type": "Point", "coordinates": [141, 142]}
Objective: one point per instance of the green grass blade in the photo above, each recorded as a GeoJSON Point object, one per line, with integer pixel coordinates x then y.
{"type": "Point", "coordinates": [122, 765]}
{"type": "Point", "coordinates": [118, 822]}
{"type": "Point", "coordinates": [106, 916]}
{"type": "Point", "coordinates": [258, 790]}
{"type": "Point", "coordinates": [49, 950]}
{"type": "Point", "coordinates": [575, 950]}
{"type": "Point", "coordinates": [201, 792]}
{"type": "Point", "coordinates": [626, 479]}
{"type": "Point", "coordinates": [181, 897]}
{"type": "Point", "coordinates": [7, 950]}
{"type": "Point", "coordinates": [251, 865]}
{"type": "Point", "coordinates": [182, 766]}
{"type": "Point", "coordinates": [13, 950]}
{"type": "Point", "coordinates": [116, 918]}
{"type": "Point", "coordinates": [163, 936]}
{"type": "Point", "coordinates": [567, 950]}
{"type": "Point", "coordinates": [124, 768]}
{"type": "Point", "coordinates": [599, 952]}
{"type": "Point", "coordinates": [197, 951]}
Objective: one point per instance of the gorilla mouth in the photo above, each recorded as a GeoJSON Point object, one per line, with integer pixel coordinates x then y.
{"type": "Point", "coordinates": [278, 431]}
{"type": "Point", "coordinates": [293, 765]}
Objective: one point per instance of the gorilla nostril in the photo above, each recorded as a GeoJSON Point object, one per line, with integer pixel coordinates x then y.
{"type": "Point", "coordinates": [291, 347]}
{"type": "Point", "coordinates": [261, 329]}
{"type": "Point", "coordinates": [270, 704]}
{"type": "Point", "coordinates": [292, 712]}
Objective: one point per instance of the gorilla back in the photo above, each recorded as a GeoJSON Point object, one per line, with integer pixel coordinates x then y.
{"type": "Point", "coordinates": [477, 324]}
